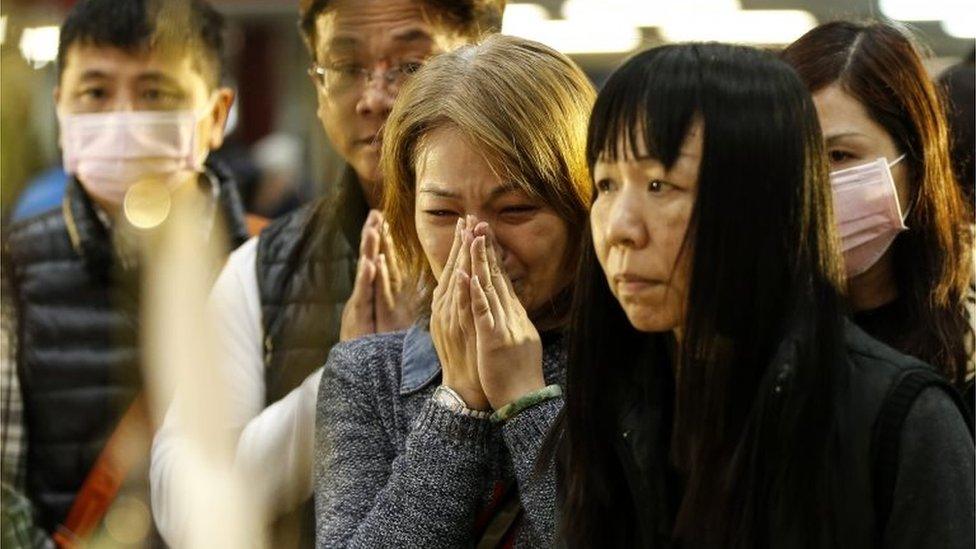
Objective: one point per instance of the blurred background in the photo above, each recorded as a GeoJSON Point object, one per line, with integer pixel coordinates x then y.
{"type": "Point", "coordinates": [276, 146]}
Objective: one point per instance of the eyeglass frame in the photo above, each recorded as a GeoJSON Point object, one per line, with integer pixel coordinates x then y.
{"type": "Point", "coordinates": [392, 76]}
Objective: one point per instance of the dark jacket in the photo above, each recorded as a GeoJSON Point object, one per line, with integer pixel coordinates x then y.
{"type": "Point", "coordinates": [78, 328]}
{"type": "Point", "coordinates": [306, 265]}
{"type": "Point", "coordinates": [933, 504]}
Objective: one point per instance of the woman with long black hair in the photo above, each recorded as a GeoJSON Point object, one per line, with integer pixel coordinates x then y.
{"type": "Point", "coordinates": [716, 395]}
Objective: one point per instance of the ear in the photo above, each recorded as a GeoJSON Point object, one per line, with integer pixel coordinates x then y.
{"type": "Point", "coordinates": [219, 114]}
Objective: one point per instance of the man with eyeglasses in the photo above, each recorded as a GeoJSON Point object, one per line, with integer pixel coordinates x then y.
{"type": "Point", "coordinates": [326, 272]}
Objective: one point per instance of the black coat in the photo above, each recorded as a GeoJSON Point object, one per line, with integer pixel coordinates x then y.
{"type": "Point", "coordinates": [78, 339]}
{"type": "Point", "coordinates": [656, 489]}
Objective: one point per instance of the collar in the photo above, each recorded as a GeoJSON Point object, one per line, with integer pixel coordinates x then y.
{"type": "Point", "coordinates": [420, 365]}
{"type": "Point", "coordinates": [89, 229]}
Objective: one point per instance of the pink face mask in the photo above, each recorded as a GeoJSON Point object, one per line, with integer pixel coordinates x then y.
{"type": "Point", "coordinates": [111, 151]}
{"type": "Point", "coordinates": [867, 212]}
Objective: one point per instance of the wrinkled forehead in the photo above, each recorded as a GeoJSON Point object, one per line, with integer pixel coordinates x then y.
{"type": "Point", "coordinates": [450, 164]}
{"type": "Point", "coordinates": [378, 28]}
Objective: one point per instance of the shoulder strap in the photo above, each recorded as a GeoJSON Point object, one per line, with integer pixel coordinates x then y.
{"type": "Point", "coordinates": [888, 427]}
{"type": "Point", "coordinates": [255, 223]}
{"type": "Point", "coordinates": [103, 482]}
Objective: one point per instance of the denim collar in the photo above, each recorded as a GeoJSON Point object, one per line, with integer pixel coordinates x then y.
{"type": "Point", "coordinates": [420, 365]}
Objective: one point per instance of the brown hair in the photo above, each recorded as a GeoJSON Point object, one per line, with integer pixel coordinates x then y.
{"type": "Point", "coordinates": [469, 18]}
{"type": "Point", "coordinates": [524, 105]}
{"type": "Point", "coordinates": [880, 65]}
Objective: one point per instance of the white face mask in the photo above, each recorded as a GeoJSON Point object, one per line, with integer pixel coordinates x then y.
{"type": "Point", "coordinates": [111, 151]}
{"type": "Point", "coordinates": [867, 212]}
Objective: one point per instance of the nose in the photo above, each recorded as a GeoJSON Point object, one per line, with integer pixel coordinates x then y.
{"type": "Point", "coordinates": [376, 99]}
{"type": "Point", "coordinates": [625, 225]}
{"type": "Point", "coordinates": [123, 101]}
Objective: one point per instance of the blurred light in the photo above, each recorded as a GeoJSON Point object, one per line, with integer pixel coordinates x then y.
{"type": "Point", "coordinates": [39, 45]}
{"type": "Point", "coordinates": [960, 27]}
{"type": "Point", "coordinates": [721, 20]}
{"type": "Point", "coordinates": [928, 10]}
{"type": "Point", "coordinates": [3, 29]}
{"type": "Point", "coordinates": [764, 27]}
{"type": "Point", "coordinates": [644, 13]}
{"type": "Point", "coordinates": [128, 521]}
{"type": "Point", "coordinates": [606, 35]}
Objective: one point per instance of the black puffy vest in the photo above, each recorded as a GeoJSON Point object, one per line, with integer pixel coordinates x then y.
{"type": "Point", "coordinates": [306, 265]}
{"type": "Point", "coordinates": [77, 344]}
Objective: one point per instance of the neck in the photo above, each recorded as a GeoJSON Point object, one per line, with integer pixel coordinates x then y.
{"type": "Point", "coordinates": [371, 191]}
{"type": "Point", "coordinates": [874, 287]}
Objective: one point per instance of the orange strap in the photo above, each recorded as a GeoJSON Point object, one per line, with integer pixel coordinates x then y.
{"type": "Point", "coordinates": [101, 486]}
{"type": "Point", "coordinates": [255, 223]}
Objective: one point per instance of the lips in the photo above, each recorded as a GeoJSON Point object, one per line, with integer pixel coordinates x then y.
{"type": "Point", "coordinates": [371, 142]}
{"type": "Point", "coordinates": [628, 283]}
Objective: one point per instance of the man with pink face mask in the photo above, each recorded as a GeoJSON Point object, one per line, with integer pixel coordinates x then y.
{"type": "Point", "coordinates": [139, 106]}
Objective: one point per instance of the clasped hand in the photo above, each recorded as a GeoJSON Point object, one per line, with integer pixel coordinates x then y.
{"type": "Point", "coordinates": [490, 351]}
{"type": "Point", "coordinates": [381, 300]}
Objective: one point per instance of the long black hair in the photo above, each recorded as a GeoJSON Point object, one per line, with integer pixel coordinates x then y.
{"type": "Point", "coordinates": [755, 445]}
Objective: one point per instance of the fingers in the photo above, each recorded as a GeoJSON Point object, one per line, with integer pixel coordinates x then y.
{"type": "Point", "coordinates": [362, 288]}
{"type": "Point", "coordinates": [385, 297]}
{"type": "Point", "coordinates": [369, 240]}
{"type": "Point", "coordinates": [484, 320]}
{"type": "Point", "coordinates": [462, 301]}
{"type": "Point", "coordinates": [445, 279]}
{"type": "Point", "coordinates": [462, 292]}
{"type": "Point", "coordinates": [464, 255]}
{"type": "Point", "coordinates": [482, 270]}
{"type": "Point", "coordinates": [357, 315]}
{"type": "Point", "coordinates": [393, 264]}
{"type": "Point", "coordinates": [498, 278]}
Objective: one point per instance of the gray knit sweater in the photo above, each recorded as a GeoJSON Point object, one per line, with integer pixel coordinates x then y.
{"type": "Point", "coordinates": [394, 469]}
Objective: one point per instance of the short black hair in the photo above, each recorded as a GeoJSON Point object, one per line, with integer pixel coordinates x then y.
{"type": "Point", "coordinates": [131, 25]}
{"type": "Point", "coordinates": [470, 18]}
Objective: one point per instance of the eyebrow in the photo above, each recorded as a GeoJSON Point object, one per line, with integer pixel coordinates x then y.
{"type": "Point", "coordinates": [94, 74]}
{"type": "Point", "coordinates": [344, 42]}
{"type": "Point", "coordinates": [444, 193]}
{"type": "Point", "coordinates": [844, 134]}
{"type": "Point", "coordinates": [156, 76]}
{"type": "Point", "coordinates": [405, 36]}
{"type": "Point", "coordinates": [412, 35]}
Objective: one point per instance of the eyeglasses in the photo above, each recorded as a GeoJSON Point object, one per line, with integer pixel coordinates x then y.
{"type": "Point", "coordinates": [345, 78]}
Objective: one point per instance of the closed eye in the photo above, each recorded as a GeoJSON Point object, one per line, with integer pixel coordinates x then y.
{"type": "Point", "coordinates": [519, 209]}
{"type": "Point", "coordinates": [441, 213]}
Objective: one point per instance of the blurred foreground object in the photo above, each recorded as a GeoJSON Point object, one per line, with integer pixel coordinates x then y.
{"type": "Point", "coordinates": [179, 354]}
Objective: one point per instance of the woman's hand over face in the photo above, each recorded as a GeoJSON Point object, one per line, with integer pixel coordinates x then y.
{"type": "Point", "coordinates": [452, 324]}
{"type": "Point", "coordinates": [509, 350]}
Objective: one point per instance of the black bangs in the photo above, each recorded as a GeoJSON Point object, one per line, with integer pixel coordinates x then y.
{"type": "Point", "coordinates": [650, 100]}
